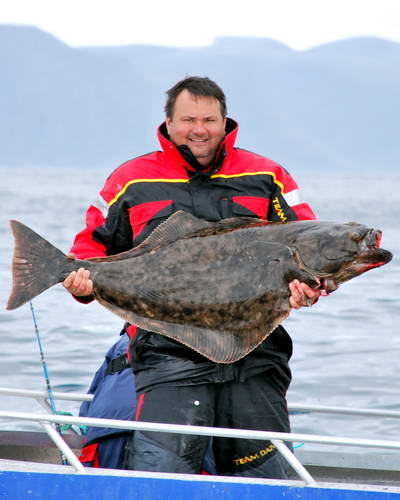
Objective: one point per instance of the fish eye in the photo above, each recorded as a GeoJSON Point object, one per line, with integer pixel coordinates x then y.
{"type": "Point", "coordinates": [355, 236]}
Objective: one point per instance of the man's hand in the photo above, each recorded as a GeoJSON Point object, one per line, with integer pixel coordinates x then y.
{"type": "Point", "coordinates": [78, 282]}
{"type": "Point", "coordinates": [302, 295]}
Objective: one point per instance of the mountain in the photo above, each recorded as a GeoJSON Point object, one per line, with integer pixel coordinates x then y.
{"type": "Point", "coordinates": [335, 106]}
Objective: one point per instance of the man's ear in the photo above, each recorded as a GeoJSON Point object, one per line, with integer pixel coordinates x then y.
{"type": "Point", "coordinates": [168, 124]}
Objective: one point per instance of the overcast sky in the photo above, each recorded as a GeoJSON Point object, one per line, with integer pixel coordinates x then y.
{"type": "Point", "coordinates": [298, 23]}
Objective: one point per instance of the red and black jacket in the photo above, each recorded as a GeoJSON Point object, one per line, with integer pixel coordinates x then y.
{"type": "Point", "coordinates": [143, 192]}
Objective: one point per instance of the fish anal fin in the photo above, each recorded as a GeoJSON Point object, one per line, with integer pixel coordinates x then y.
{"type": "Point", "coordinates": [220, 346]}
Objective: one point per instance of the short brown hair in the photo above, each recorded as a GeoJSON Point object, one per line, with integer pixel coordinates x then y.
{"type": "Point", "coordinates": [197, 86]}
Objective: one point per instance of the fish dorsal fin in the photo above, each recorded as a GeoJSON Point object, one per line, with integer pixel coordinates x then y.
{"type": "Point", "coordinates": [178, 226]}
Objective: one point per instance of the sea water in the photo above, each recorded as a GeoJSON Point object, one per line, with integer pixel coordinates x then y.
{"type": "Point", "coordinates": [346, 347]}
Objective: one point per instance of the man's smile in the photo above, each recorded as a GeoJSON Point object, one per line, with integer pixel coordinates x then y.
{"type": "Point", "coordinates": [197, 123]}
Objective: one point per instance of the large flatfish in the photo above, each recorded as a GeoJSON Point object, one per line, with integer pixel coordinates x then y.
{"type": "Point", "coordinates": [218, 287]}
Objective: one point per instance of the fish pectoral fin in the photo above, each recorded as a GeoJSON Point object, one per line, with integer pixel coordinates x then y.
{"type": "Point", "coordinates": [282, 266]}
{"type": "Point", "coordinates": [272, 250]}
{"type": "Point", "coordinates": [272, 260]}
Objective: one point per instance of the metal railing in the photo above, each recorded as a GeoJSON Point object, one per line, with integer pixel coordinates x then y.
{"type": "Point", "coordinates": [293, 407]}
{"type": "Point", "coordinates": [276, 438]}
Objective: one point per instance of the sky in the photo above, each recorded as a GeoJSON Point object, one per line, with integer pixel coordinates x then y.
{"type": "Point", "coordinates": [300, 24]}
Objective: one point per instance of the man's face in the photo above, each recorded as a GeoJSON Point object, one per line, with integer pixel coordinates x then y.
{"type": "Point", "coordinates": [198, 123]}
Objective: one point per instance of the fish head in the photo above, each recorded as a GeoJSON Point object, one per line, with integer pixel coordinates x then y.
{"type": "Point", "coordinates": [335, 253]}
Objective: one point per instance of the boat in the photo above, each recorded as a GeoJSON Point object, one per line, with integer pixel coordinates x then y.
{"type": "Point", "coordinates": [30, 462]}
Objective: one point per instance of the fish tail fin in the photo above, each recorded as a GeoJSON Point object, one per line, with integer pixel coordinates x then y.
{"type": "Point", "coordinates": [37, 265]}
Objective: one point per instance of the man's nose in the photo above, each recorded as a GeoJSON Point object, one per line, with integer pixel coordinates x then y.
{"type": "Point", "coordinates": [199, 128]}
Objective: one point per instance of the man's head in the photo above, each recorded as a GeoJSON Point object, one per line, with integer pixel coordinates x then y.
{"type": "Point", "coordinates": [196, 116]}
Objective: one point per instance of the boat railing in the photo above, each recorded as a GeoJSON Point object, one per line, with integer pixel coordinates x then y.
{"type": "Point", "coordinates": [42, 396]}
{"type": "Point", "coordinates": [47, 421]}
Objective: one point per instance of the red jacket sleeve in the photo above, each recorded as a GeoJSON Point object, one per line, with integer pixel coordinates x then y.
{"type": "Point", "coordinates": [85, 246]}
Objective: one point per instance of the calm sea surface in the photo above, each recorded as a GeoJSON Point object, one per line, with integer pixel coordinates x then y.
{"type": "Point", "coordinates": [346, 348]}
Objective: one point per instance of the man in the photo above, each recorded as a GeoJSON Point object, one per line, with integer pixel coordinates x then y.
{"type": "Point", "coordinates": [200, 171]}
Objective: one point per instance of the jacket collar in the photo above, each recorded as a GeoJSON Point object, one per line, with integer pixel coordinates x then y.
{"type": "Point", "coordinates": [183, 156]}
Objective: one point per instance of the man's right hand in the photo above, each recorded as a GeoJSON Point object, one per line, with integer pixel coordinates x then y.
{"type": "Point", "coordinates": [78, 283]}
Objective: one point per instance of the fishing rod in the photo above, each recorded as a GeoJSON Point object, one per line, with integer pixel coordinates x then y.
{"type": "Point", "coordinates": [64, 461]}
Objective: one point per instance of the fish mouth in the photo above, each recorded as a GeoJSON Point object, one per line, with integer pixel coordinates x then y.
{"type": "Point", "coordinates": [369, 256]}
{"type": "Point", "coordinates": [369, 252]}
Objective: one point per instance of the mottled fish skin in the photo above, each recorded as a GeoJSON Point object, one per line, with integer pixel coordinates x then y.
{"type": "Point", "coordinates": [218, 287]}
{"type": "Point", "coordinates": [217, 284]}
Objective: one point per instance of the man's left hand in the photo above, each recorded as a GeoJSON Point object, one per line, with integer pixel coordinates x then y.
{"type": "Point", "coordinates": [302, 295]}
